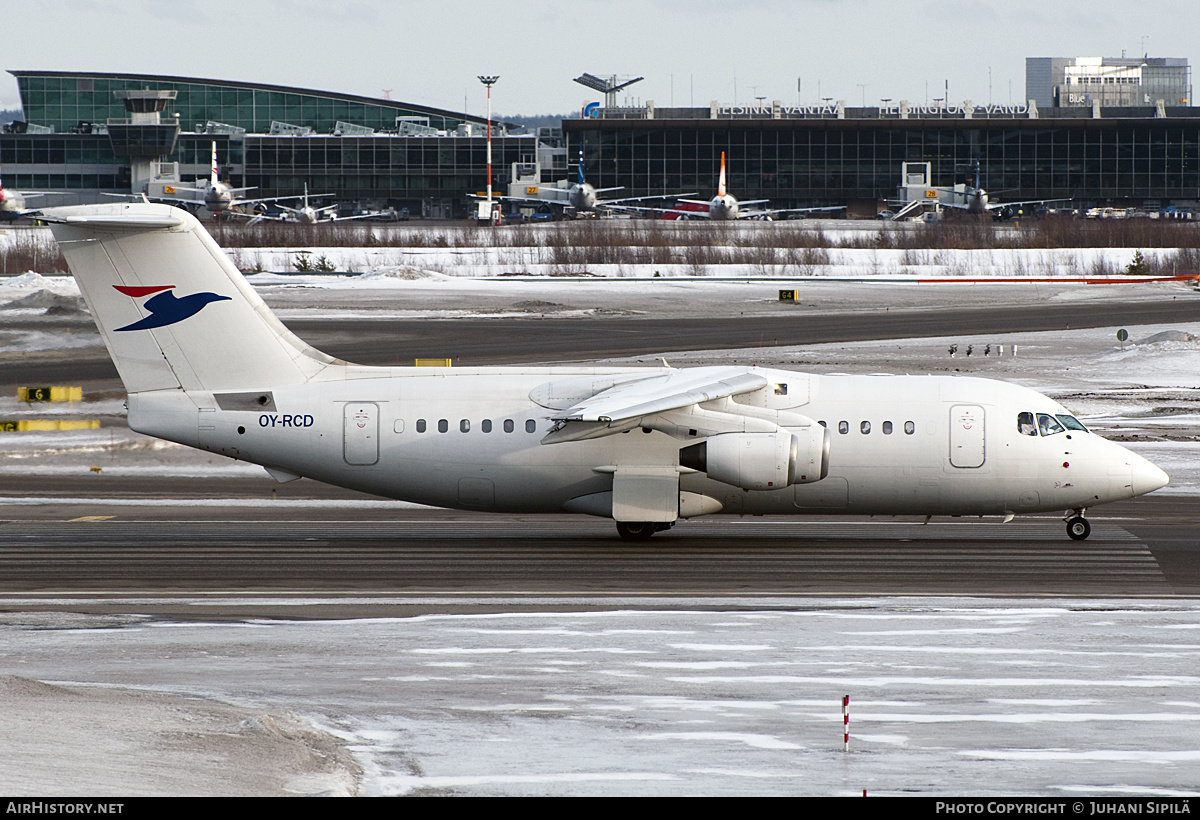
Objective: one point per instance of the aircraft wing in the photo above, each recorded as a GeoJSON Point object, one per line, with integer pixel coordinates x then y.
{"type": "Point", "coordinates": [240, 201]}
{"type": "Point", "coordinates": [530, 200]}
{"type": "Point", "coordinates": [701, 214]}
{"type": "Point", "coordinates": [336, 218]}
{"type": "Point", "coordinates": [996, 205]}
{"type": "Point", "coordinates": [773, 211]}
{"type": "Point", "coordinates": [294, 196]}
{"type": "Point", "coordinates": [620, 203]}
{"type": "Point", "coordinates": [624, 406]}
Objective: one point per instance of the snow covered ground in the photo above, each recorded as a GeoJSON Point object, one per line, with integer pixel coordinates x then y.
{"type": "Point", "coordinates": [729, 696]}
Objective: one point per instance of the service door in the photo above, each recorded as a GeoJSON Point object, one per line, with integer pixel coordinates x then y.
{"type": "Point", "coordinates": [360, 432]}
{"type": "Point", "coordinates": [966, 435]}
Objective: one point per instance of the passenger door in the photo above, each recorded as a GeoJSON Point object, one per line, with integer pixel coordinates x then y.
{"type": "Point", "coordinates": [360, 432]}
{"type": "Point", "coordinates": [967, 448]}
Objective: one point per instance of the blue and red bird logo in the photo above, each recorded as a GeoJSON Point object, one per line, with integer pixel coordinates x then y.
{"type": "Point", "coordinates": [166, 308]}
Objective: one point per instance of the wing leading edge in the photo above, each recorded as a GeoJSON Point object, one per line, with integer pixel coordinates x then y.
{"type": "Point", "coordinates": [681, 403]}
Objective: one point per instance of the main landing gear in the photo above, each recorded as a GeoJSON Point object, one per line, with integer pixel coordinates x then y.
{"type": "Point", "coordinates": [639, 530]}
{"type": "Point", "coordinates": [1077, 526]}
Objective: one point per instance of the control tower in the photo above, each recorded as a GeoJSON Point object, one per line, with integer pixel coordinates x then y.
{"type": "Point", "coordinates": [142, 137]}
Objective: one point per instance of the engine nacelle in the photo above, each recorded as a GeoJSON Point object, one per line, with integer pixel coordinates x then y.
{"type": "Point", "coordinates": [762, 461]}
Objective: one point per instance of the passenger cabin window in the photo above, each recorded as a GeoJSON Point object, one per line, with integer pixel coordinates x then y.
{"type": "Point", "coordinates": [508, 425]}
{"type": "Point", "coordinates": [909, 428]}
{"type": "Point", "coordinates": [865, 428]}
{"type": "Point", "coordinates": [486, 425]}
{"type": "Point", "coordinates": [530, 426]}
{"type": "Point", "coordinates": [1025, 424]}
{"type": "Point", "coordinates": [420, 425]}
{"type": "Point", "coordinates": [443, 425]}
{"type": "Point", "coordinates": [1048, 425]}
{"type": "Point", "coordinates": [887, 428]}
{"type": "Point", "coordinates": [843, 427]}
{"type": "Point", "coordinates": [464, 426]}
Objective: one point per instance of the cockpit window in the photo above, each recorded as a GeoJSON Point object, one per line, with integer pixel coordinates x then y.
{"type": "Point", "coordinates": [1026, 425]}
{"type": "Point", "coordinates": [1070, 422]}
{"type": "Point", "coordinates": [1048, 425]}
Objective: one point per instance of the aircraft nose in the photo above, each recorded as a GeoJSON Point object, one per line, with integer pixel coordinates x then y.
{"type": "Point", "coordinates": [1146, 477]}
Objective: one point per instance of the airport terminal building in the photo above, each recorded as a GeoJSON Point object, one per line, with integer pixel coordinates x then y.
{"type": "Point", "coordinates": [371, 152]}
{"type": "Point", "coordinates": [831, 155]}
{"type": "Point", "coordinates": [376, 153]}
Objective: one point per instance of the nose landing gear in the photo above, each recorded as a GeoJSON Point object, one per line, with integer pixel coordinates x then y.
{"type": "Point", "coordinates": [1078, 527]}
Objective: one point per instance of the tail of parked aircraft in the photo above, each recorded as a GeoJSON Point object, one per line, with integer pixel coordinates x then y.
{"type": "Point", "coordinates": [721, 183]}
{"type": "Point", "coordinates": [581, 165]}
{"type": "Point", "coordinates": [172, 309]}
{"type": "Point", "coordinates": [213, 178]}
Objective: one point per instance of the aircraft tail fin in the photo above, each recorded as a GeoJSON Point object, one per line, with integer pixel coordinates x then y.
{"type": "Point", "coordinates": [213, 178]}
{"type": "Point", "coordinates": [721, 183]}
{"type": "Point", "coordinates": [172, 309]}
{"type": "Point", "coordinates": [581, 165]}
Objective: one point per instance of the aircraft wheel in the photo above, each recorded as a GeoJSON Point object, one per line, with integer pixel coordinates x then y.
{"type": "Point", "coordinates": [1079, 528]}
{"type": "Point", "coordinates": [636, 530]}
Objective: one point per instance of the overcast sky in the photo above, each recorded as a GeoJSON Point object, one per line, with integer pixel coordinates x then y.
{"type": "Point", "coordinates": [689, 51]}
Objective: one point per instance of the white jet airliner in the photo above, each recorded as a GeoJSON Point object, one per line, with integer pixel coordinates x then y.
{"type": "Point", "coordinates": [725, 207]}
{"type": "Point", "coordinates": [582, 197]}
{"type": "Point", "coordinates": [207, 364]}
{"type": "Point", "coordinates": [220, 198]}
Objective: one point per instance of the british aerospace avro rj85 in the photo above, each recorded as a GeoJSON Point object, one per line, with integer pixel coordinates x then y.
{"type": "Point", "coordinates": [207, 364]}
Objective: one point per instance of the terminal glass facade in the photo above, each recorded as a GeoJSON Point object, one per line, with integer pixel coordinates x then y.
{"type": "Point", "coordinates": [87, 161]}
{"type": "Point", "coordinates": [393, 168]}
{"type": "Point", "coordinates": [800, 162]}
{"type": "Point", "coordinates": [62, 100]}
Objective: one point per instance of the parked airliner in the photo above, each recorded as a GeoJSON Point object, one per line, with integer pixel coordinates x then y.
{"type": "Point", "coordinates": [219, 198]}
{"type": "Point", "coordinates": [206, 364]}
{"type": "Point", "coordinates": [582, 197]}
{"type": "Point", "coordinates": [12, 203]}
{"type": "Point", "coordinates": [306, 214]}
{"type": "Point", "coordinates": [975, 200]}
{"type": "Point", "coordinates": [725, 206]}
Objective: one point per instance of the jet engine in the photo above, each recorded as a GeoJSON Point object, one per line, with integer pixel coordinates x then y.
{"type": "Point", "coordinates": [762, 461]}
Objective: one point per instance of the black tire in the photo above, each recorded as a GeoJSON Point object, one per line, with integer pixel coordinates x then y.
{"type": "Point", "coordinates": [636, 530]}
{"type": "Point", "coordinates": [1078, 528]}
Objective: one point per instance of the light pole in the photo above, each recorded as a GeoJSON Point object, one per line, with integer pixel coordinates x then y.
{"type": "Point", "coordinates": [489, 82]}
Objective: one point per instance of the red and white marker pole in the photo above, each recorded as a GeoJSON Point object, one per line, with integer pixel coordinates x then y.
{"type": "Point", "coordinates": [846, 723]}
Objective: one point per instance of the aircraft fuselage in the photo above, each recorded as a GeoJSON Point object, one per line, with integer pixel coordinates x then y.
{"type": "Point", "coordinates": [930, 445]}
{"type": "Point", "coordinates": [582, 196]}
{"type": "Point", "coordinates": [218, 198]}
{"type": "Point", "coordinates": [977, 201]}
{"type": "Point", "coordinates": [12, 204]}
{"type": "Point", "coordinates": [724, 207]}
